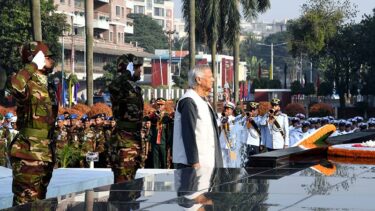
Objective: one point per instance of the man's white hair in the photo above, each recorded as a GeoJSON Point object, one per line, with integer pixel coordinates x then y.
{"type": "Point", "coordinates": [197, 71]}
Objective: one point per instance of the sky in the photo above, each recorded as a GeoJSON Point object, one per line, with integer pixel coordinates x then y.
{"type": "Point", "coordinates": [290, 9]}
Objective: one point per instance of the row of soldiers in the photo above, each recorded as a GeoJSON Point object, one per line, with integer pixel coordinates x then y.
{"type": "Point", "coordinates": [94, 134]}
{"type": "Point", "coordinates": [7, 132]}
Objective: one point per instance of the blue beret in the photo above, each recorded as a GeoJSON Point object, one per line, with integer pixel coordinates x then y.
{"type": "Point", "coordinates": [60, 117]}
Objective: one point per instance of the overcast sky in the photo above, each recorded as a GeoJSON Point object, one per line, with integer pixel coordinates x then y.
{"type": "Point", "coordinates": [289, 9]}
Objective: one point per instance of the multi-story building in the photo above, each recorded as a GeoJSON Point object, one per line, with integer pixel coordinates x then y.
{"type": "Point", "coordinates": [263, 29]}
{"type": "Point", "coordinates": [179, 26]}
{"type": "Point", "coordinates": [159, 10]}
{"type": "Point", "coordinates": [110, 28]}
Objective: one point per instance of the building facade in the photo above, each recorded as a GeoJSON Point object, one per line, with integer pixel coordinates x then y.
{"type": "Point", "coordinates": [159, 10]}
{"type": "Point", "coordinates": [110, 28]}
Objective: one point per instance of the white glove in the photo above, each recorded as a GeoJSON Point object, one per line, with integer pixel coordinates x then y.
{"type": "Point", "coordinates": [39, 60]}
{"type": "Point", "coordinates": [130, 67]}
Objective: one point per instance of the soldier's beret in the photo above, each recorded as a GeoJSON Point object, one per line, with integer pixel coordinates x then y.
{"type": "Point", "coordinates": [84, 118]}
{"type": "Point", "coordinates": [72, 116]}
{"type": "Point", "coordinates": [30, 49]}
{"type": "Point", "coordinates": [252, 105]}
{"type": "Point", "coordinates": [101, 115]}
{"type": "Point", "coordinates": [229, 105]}
{"type": "Point", "coordinates": [137, 61]}
{"type": "Point", "coordinates": [160, 101]}
{"type": "Point", "coordinates": [110, 118]}
{"type": "Point", "coordinates": [275, 101]}
{"type": "Point", "coordinates": [9, 115]}
{"type": "Point", "coordinates": [61, 117]}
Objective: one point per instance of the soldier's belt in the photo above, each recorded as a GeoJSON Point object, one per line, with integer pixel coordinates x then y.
{"type": "Point", "coordinates": [38, 133]}
{"type": "Point", "coordinates": [127, 126]}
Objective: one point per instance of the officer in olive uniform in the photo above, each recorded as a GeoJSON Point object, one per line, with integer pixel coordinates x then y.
{"type": "Point", "coordinates": [61, 138]}
{"type": "Point", "coordinates": [160, 134]}
{"type": "Point", "coordinates": [100, 143]}
{"type": "Point", "coordinates": [127, 107]}
{"type": "Point", "coordinates": [31, 152]}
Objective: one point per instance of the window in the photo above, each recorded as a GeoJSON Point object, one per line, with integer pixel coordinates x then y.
{"type": "Point", "coordinates": [118, 37]}
{"type": "Point", "coordinates": [139, 9]}
{"type": "Point", "coordinates": [147, 70]}
{"type": "Point", "coordinates": [149, 4]}
{"type": "Point", "coordinates": [122, 12]}
{"type": "Point", "coordinates": [159, 1]}
{"type": "Point", "coordinates": [118, 11]}
{"type": "Point", "coordinates": [111, 36]}
{"type": "Point", "coordinates": [62, 1]}
{"type": "Point", "coordinates": [158, 11]}
{"type": "Point", "coordinates": [160, 22]}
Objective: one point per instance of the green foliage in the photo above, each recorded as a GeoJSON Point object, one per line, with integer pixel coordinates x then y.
{"type": "Point", "coordinates": [182, 80]}
{"type": "Point", "coordinates": [68, 155]}
{"type": "Point", "coordinates": [318, 24]}
{"type": "Point", "coordinates": [148, 33]}
{"type": "Point", "coordinates": [265, 83]}
{"type": "Point", "coordinates": [296, 88]}
{"type": "Point", "coordinates": [325, 89]}
{"type": "Point", "coordinates": [309, 89]}
{"type": "Point", "coordinates": [274, 84]}
{"type": "Point", "coordinates": [253, 64]}
{"type": "Point", "coordinates": [16, 29]}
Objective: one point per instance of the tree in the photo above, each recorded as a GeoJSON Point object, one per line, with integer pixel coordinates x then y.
{"type": "Point", "coordinates": [253, 65]}
{"type": "Point", "coordinates": [325, 89]}
{"type": "Point", "coordinates": [147, 33]}
{"type": "Point", "coordinates": [319, 23]}
{"type": "Point", "coordinates": [250, 9]}
{"type": "Point", "coordinates": [16, 29]}
{"type": "Point", "coordinates": [296, 88]}
{"type": "Point", "coordinates": [182, 80]}
{"type": "Point", "coordinates": [309, 89]}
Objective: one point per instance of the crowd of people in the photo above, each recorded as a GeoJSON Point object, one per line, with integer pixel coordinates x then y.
{"type": "Point", "coordinates": [34, 142]}
{"type": "Point", "coordinates": [244, 132]}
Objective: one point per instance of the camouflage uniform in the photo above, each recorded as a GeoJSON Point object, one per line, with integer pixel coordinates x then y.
{"type": "Point", "coordinates": [31, 151]}
{"type": "Point", "coordinates": [127, 106]}
{"type": "Point", "coordinates": [87, 139]}
{"type": "Point", "coordinates": [100, 147]}
{"type": "Point", "coordinates": [3, 147]}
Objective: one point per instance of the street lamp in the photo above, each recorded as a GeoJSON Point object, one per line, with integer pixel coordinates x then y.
{"type": "Point", "coordinates": [272, 45]}
{"type": "Point", "coordinates": [170, 33]}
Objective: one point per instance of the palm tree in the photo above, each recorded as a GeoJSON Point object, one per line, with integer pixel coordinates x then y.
{"type": "Point", "coordinates": [250, 9]}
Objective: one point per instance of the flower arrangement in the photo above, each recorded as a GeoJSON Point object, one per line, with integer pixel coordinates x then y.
{"type": "Point", "coordinates": [264, 107]}
{"type": "Point", "coordinates": [321, 110]}
{"type": "Point", "coordinates": [99, 108]}
{"type": "Point", "coordinates": [294, 108]}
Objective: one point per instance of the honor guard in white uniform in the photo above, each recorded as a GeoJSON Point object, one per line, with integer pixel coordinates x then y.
{"type": "Point", "coordinates": [300, 133]}
{"type": "Point", "coordinates": [341, 129]}
{"type": "Point", "coordinates": [227, 135]}
{"type": "Point", "coordinates": [276, 132]}
{"type": "Point", "coordinates": [253, 141]}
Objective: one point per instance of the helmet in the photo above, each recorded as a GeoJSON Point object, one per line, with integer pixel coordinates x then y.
{"type": "Point", "coordinates": [30, 49]}
{"type": "Point", "coordinates": [9, 115]}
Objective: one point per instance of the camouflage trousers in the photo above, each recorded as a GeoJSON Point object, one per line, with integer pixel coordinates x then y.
{"type": "Point", "coordinates": [3, 155]}
{"type": "Point", "coordinates": [126, 158]}
{"type": "Point", "coordinates": [30, 179]}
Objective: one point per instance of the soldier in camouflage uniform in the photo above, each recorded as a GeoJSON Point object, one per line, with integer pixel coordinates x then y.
{"type": "Point", "coordinates": [3, 144]}
{"type": "Point", "coordinates": [100, 143]}
{"type": "Point", "coordinates": [127, 106]}
{"type": "Point", "coordinates": [31, 151]}
{"type": "Point", "coordinates": [87, 139]}
{"type": "Point", "coordinates": [61, 137]}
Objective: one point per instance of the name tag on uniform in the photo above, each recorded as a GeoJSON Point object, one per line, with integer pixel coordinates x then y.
{"type": "Point", "coordinates": [92, 156]}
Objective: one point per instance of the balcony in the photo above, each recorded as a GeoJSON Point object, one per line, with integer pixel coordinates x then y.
{"type": "Point", "coordinates": [103, 1]}
{"type": "Point", "coordinates": [79, 18]}
{"type": "Point", "coordinates": [101, 21]}
{"type": "Point", "coordinates": [129, 28]}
